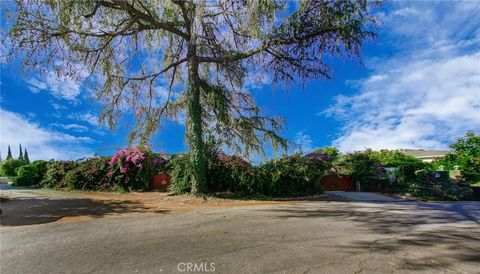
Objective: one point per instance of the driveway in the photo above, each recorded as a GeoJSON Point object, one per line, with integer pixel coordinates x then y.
{"type": "Point", "coordinates": [363, 196]}
{"type": "Point", "coordinates": [286, 237]}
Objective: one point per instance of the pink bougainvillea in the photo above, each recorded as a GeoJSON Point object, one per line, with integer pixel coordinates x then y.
{"type": "Point", "coordinates": [135, 166]}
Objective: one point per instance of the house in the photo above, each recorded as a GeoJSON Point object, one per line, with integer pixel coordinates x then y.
{"type": "Point", "coordinates": [425, 155]}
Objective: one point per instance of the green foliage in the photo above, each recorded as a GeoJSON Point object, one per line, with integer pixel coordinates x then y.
{"type": "Point", "coordinates": [91, 174]}
{"type": "Point", "coordinates": [436, 185]}
{"type": "Point", "coordinates": [363, 167]}
{"type": "Point", "coordinates": [31, 174]}
{"type": "Point", "coordinates": [466, 155]}
{"type": "Point", "coordinates": [26, 158]}
{"type": "Point", "coordinates": [20, 153]}
{"type": "Point", "coordinates": [56, 171]}
{"type": "Point", "coordinates": [9, 154]}
{"type": "Point", "coordinates": [288, 176]}
{"type": "Point", "coordinates": [179, 168]}
{"type": "Point", "coordinates": [291, 176]}
{"type": "Point", "coordinates": [332, 152]}
{"type": "Point", "coordinates": [27, 176]}
{"type": "Point", "coordinates": [10, 167]}
{"type": "Point", "coordinates": [95, 37]}
{"type": "Point", "coordinates": [405, 165]}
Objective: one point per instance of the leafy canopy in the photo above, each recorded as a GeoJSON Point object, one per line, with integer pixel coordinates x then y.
{"type": "Point", "coordinates": [134, 55]}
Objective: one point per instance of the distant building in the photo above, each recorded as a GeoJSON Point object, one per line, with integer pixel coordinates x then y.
{"type": "Point", "coordinates": [425, 155]}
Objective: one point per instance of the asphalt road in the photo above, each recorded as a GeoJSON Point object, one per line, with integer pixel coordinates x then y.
{"type": "Point", "coordinates": [308, 237]}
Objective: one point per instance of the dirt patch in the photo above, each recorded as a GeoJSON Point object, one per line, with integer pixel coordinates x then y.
{"type": "Point", "coordinates": [33, 207]}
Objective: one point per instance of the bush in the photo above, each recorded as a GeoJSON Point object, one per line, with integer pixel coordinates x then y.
{"type": "Point", "coordinates": [363, 167]}
{"type": "Point", "coordinates": [224, 173]}
{"type": "Point", "coordinates": [405, 167]}
{"type": "Point", "coordinates": [26, 176]}
{"type": "Point", "coordinates": [56, 171]}
{"type": "Point", "coordinates": [230, 173]}
{"type": "Point", "coordinates": [288, 176]}
{"type": "Point", "coordinates": [90, 174]}
{"type": "Point", "coordinates": [466, 155]}
{"type": "Point", "coordinates": [437, 185]}
{"type": "Point", "coordinates": [330, 153]}
{"type": "Point", "coordinates": [10, 167]}
{"type": "Point", "coordinates": [128, 169]}
{"type": "Point", "coordinates": [133, 168]}
{"type": "Point", "coordinates": [32, 174]}
{"type": "Point", "coordinates": [292, 176]}
{"type": "Point", "coordinates": [180, 170]}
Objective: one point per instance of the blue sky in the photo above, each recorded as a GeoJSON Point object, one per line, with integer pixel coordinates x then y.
{"type": "Point", "coordinates": [418, 87]}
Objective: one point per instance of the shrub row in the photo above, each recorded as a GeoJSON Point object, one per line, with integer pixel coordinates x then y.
{"type": "Point", "coordinates": [128, 169]}
{"type": "Point", "coordinates": [436, 185]}
{"type": "Point", "coordinates": [133, 168]}
{"type": "Point", "coordinates": [288, 176]}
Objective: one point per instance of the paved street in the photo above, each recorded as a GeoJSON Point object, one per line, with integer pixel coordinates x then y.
{"type": "Point", "coordinates": [289, 237]}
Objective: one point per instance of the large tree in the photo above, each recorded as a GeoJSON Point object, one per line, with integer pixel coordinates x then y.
{"type": "Point", "coordinates": [170, 58]}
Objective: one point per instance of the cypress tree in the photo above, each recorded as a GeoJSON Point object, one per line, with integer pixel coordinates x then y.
{"type": "Point", "coordinates": [9, 155]}
{"type": "Point", "coordinates": [20, 155]}
{"type": "Point", "coordinates": [25, 157]}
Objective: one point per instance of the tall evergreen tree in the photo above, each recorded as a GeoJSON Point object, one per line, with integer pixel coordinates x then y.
{"type": "Point", "coordinates": [20, 154]}
{"type": "Point", "coordinates": [204, 50]}
{"type": "Point", "coordinates": [25, 157]}
{"type": "Point", "coordinates": [9, 155]}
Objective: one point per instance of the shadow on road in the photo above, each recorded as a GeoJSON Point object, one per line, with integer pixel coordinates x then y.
{"type": "Point", "coordinates": [39, 210]}
{"type": "Point", "coordinates": [400, 228]}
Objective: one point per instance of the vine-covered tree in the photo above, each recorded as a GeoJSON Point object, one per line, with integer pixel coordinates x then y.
{"type": "Point", "coordinates": [189, 58]}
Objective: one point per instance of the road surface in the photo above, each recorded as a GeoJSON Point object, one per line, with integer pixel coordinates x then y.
{"type": "Point", "coordinates": [297, 237]}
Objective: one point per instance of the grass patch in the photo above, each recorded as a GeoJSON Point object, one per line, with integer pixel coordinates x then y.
{"type": "Point", "coordinates": [476, 184]}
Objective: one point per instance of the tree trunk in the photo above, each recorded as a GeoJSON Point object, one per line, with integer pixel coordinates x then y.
{"type": "Point", "coordinates": [194, 129]}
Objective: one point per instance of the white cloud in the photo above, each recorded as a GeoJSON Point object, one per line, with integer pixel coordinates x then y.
{"type": "Point", "coordinates": [303, 141]}
{"type": "Point", "coordinates": [59, 86]}
{"type": "Point", "coordinates": [57, 106]}
{"type": "Point", "coordinates": [41, 143]}
{"type": "Point", "coordinates": [74, 127]}
{"type": "Point", "coordinates": [85, 117]}
{"type": "Point", "coordinates": [420, 97]}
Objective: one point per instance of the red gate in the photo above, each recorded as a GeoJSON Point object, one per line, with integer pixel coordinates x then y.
{"type": "Point", "coordinates": [335, 183]}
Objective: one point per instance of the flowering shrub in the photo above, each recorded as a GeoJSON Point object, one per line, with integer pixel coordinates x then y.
{"type": "Point", "coordinates": [229, 173]}
{"type": "Point", "coordinates": [224, 172]}
{"type": "Point", "coordinates": [56, 171]}
{"type": "Point", "coordinates": [289, 176]}
{"type": "Point", "coordinates": [90, 174]}
{"type": "Point", "coordinates": [319, 156]}
{"type": "Point", "coordinates": [133, 168]}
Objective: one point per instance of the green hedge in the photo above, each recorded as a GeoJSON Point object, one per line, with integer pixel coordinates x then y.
{"type": "Point", "coordinates": [90, 174]}
{"type": "Point", "coordinates": [288, 176]}
{"type": "Point", "coordinates": [436, 185]}
{"type": "Point", "coordinates": [31, 174]}
{"type": "Point", "coordinates": [9, 168]}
